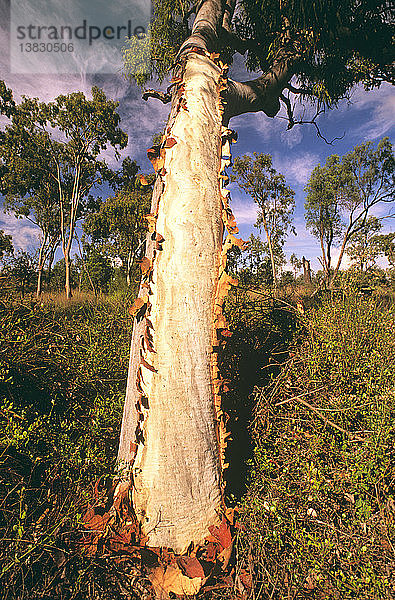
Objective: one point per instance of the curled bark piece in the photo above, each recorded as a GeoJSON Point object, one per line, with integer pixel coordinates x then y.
{"type": "Point", "coordinates": [137, 305]}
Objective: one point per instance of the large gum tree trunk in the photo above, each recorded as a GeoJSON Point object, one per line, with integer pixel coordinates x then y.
{"type": "Point", "coordinates": [173, 438]}
{"type": "Point", "coordinates": [170, 432]}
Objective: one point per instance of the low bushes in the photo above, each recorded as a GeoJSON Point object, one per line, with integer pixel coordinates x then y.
{"type": "Point", "coordinates": [319, 517]}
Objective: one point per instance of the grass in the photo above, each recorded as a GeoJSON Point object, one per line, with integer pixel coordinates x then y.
{"type": "Point", "coordinates": [317, 517]}
{"type": "Point", "coordinates": [63, 374]}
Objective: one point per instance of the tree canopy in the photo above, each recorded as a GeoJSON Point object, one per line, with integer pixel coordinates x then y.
{"type": "Point", "coordinates": [342, 194]}
{"type": "Point", "coordinates": [315, 50]}
{"type": "Point", "coordinates": [50, 160]}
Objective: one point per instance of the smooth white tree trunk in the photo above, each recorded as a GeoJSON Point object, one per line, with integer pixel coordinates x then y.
{"type": "Point", "coordinates": [172, 432]}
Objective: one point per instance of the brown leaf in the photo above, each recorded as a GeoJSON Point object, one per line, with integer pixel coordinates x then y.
{"type": "Point", "coordinates": [190, 566]}
{"type": "Point", "coordinates": [246, 578]}
{"type": "Point", "coordinates": [145, 265]}
{"type": "Point", "coordinates": [151, 222]}
{"type": "Point", "coordinates": [133, 448]}
{"type": "Point", "coordinates": [137, 305]}
{"type": "Point", "coordinates": [96, 519]}
{"type": "Point", "coordinates": [238, 242]}
{"type": "Point", "coordinates": [226, 333]}
{"type": "Point", "coordinates": [143, 180]}
{"type": "Point", "coordinates": [222, 533]}
{"type": "Point", "coordinates": [147, 365]}
{"type": "Point", "coordinates": [170, 579]}
{"type": "Point", "coordinates": [156, 155]}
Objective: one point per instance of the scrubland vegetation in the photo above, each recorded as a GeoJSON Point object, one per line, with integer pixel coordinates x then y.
{"type": "Point", "coordinates": [311, 400]}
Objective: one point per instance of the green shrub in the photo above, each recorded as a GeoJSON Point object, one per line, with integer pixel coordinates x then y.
{"type": "Point", "coordinates": [62, 382]}
{"type": "Point", "coordinates": [319, 518]}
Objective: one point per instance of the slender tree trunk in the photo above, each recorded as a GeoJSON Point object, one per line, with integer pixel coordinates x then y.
{"type": "Point", "coordinates": [173, 452]}
{"type": "Point", "coordinates": [269, 243]}
{"type": "Point", "coordinates": [51, 257]}
{"type": "Point", "coordinates": [129, 268]}
{"type": "Point", "coordinates": [39, 282]}
{"type": "Point", "coordinates": [40, 266]}
{"type": "Point", "coordinates": [339, 260]}
{"type": "Point", "coordinates": [306, 271]}
{"type": "Point", "coordinates": [67, 273]}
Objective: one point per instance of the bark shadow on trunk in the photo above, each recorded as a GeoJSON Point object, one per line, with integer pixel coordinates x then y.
{"type": "Point", "coordinates": [255, 352]}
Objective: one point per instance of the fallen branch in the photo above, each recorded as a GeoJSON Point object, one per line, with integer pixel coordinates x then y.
{"type": "Point", "coordinates": [325, 419]}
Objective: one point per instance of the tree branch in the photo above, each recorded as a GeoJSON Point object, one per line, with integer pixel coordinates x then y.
{"type": "Point", "coordinates": [206, 27]}
{"type": "Point", "coordinates": [164, 97]}
{"type": "Point", "coordinates": [292, 122]}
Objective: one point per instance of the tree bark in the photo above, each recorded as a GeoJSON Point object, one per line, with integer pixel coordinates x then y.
{"type": "Point", "coordinates": [269, 243]}
{"type": "Point", "coordinates": [173, 432]}
{"type": "Point", "coordinates": [177, 492]}
{"type": "Point", "coordinates": [40, 266]}
{"type": "Point", "coordinates": [67, 274]}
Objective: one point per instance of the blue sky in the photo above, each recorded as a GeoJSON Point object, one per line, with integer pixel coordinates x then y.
{"type": "Point", "coordinates": [367, 116]}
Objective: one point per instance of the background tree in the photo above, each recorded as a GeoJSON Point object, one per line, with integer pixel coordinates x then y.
{"type": "Point", "coordinates": [363, 248]}
{"type": "Point", "coordinates": [258, 178]}
{"type": "Point", "coordinates": [386, 244]}
{"type": "Point", "coordinates": [118, 226]}
{"type": "Point", "coordinates": [317, 51]}
{"type": "Point", "coordinates": [371, 175]}
{"type": "Point", "coordinates": [20, 269]}
{"type": "Point", "coordinates": [95, 269]}
{"type": "Point", "coordinates": [42, 210]}
{"type": "Point", "coordinates": [296, 264]}
{"type": "Point", "coordinates": [6, 246]}
{"type": "Point", "coordinates": [34, 156]}
{"type": "Point", "coordinates": [322, 210]}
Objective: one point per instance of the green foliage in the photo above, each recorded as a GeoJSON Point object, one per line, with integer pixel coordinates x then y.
{"type": "Point", "coordinates": [364, 246]}
{"type": "Point", "coordinates": [48, 178]}
{"type": "Point", "coordinates": [344, 43]}
{"type": "Point", "coordinates": [6, 246]}
{"type": "Point", "coordinates": [155, 54]}
{"type": "Point", "coordinates": [319, 516]}
{"type": "Point", "coordinates": [257, 177]}
{"type": "Point", "coordinates": [322, 201]}
{"type": "Point", "coordinates": [386, 243]}
{"type": "Point", "coordinates": [62, 381]}
{"type": "Point", "coordinates": [96, 270]}
{"type": "Point", "coordinates": [341, 43]}
{"type": "Point", "coordinates": [341, 194]}
{"type": "Point", "coordinates": [20, 272]}
{"type": "Point", "coordinates": [58, 274]}
{"type": "Point", "coordinates": [118, 228]}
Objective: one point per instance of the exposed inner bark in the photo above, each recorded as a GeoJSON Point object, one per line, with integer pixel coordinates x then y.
{"type": "Point", "coordinates": [173, 436]}
{"type": "Point", "coordinates": [177, 475]}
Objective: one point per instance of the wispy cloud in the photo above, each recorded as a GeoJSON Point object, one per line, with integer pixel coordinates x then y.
{"type": "Point", "coordinates": [245, 212]}
{"type": "Point", "coordinates": [373, 112]}
{"type": "Point", "coordinates": [25, 236]}
{"type": "Point", "coordinates": [296, 168]}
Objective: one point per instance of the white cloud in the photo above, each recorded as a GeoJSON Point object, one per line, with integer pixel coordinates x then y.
{"type": "Point", "coordinates": [265, 126]}
{"type": "Point", "coordinates": [245, 212]}
{"type": "Point", "coordinates": [380, 103]}
{"type": "Point", "coordinates": [297, 168]}
{"type": "Point", "coordinates": [25, 236]}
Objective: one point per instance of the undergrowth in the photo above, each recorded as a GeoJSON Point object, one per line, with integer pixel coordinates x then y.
{"type": "Point", "coordinates": [63, 374]}
{"type": "Point", "coordinates": [318, 520]}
